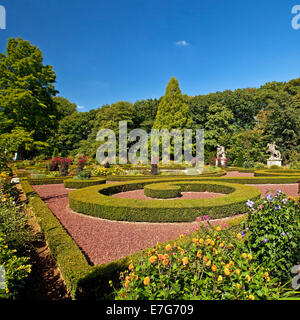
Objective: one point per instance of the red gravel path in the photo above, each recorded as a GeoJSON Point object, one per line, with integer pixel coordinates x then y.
{"type": "Point", "coordinates": [139, 194]}
{"type": "Point", "coordinates": [103, 240]}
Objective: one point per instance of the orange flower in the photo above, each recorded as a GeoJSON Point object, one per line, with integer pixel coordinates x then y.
{"type": "Point", "coordinates": [165, 262]}
{"type": "Point", "coordinates": [221, 245]}
{"type": "Point", "coordinates": [237, 271]}
{"type": "Point", "coordinates": [239, 236]}
{"type": "Point", "coordinates": [185, 261]}
{"type": "Point", "coordinates": [130, 266]}
{"type": "Point", "coordinates": [218, 228]}
{"type": "Point", "coordinates": [231, 263]}
{"type": "Point", "coordinates": [199, 254]}
{"type": "Point", "coordinates": [160, 257]}
{"type": "Point", "coordinates": [251, 297]}
{"type": "Point", "coordinates": [250, 256]}
{"type": "Point", "coordinates": [127, 283]}
{"type": "Point", "coordinates": [205, 259]}
{"type": "Point", "coordinates": [146, 281]}
{"type": "Point", "coordinates": [152, 259]}
{"type": "Point", "coordinates": [244, 255]}
{"type": "Point", "coordinates": [195, 240]}
{"type": "Point", "coordinates": [213, 268]}
{"type": "Point", "coordinates": [201, 241]}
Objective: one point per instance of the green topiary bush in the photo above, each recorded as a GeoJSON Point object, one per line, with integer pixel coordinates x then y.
{"type": "Point", "coordinates": [162, 191]}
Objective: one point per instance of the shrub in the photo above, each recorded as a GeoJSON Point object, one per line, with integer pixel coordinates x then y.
{"type": "Point", "coordinates": [274, 166]}
{"type": "Point", "coordinates": [295, 165]}
{"type": "Point", "coordinates": [83, 175]}
{"type": "Point", "coordinates": [16, 270]}
{"type": "Point", "coordinates": [258, 165]}
{"type": "Point", "coordinates": [211, 266]}
{"type": "Point", "coordinates": [102, 171]}
{"type": "Point", "coordinates": [248, 164]}
{"type": "Point", "coordinates": [274, 232]}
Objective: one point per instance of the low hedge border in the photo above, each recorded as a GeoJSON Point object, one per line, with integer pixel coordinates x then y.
{"type": "Point", "coordinates": [162, 190]}
{"type": "Point", "coordinates": [277, 173]}
{"type": "Point", "coordinates": [151, 177]}
{"type": "Point", "coordinates": [39, 181]}
{"type": "Point", "coordinates": [97, 201]}
{"type": "Point", "coordinates": [239, 169]}
{"type": "Point", "coordinates": [78, 184]}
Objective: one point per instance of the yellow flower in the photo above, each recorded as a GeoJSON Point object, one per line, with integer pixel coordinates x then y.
{"type": "Point", "coordinates": [237, 271]}
{"type": "Point", "coordinates": [146, 281]}
{"type": "Point", "coordinates": [238, 286]}
{"type": "Point", "coordinates": [247, 277]}
{"type": "Point", "coordinates": [208, 263]}
{"type": "Point", "coordinates": [195, 240]}
{"type": "Point", "coordinates": [218, 228]}
{"type": "Point", "coordinates": [199, 254]}
{"type": "Point", "coordinates": [221, 245]}
{"type": "Point", "coordinates": [226, 271]}
{"type": "Point", "coordinates": [244, 255]}
{"type": "Point", "coordinates": [239, 236]}
{"type": "Point", "coordinates": [168, 247]}
{"type": "Point", "coordinates": [220, 278]}
{"type": "Point", "coordinates": [185, 261]}
{"type": "Point", "coordinates": [251, 297]}
{"type": "Point", "coordinates": [201, 241]}
{"type": "Point", "coordinates": [212, 242]}
{"type": "Point", "coordinates": [250, 256]}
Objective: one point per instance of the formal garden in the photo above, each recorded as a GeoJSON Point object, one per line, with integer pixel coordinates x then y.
{"type": "Point", "coordinates": [142, 231]}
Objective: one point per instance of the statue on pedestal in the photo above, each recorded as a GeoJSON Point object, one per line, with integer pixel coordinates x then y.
{"type": "Point", "coordinates": [275, 157]}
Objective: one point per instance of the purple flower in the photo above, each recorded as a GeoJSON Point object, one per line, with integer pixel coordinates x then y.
{"type": "Point", "coordinates": [265, 239]}
{"type": "Point", "coordinates": [243, 234]}
{"type": "Point", "coordinates": [206, 218]}
{"type": "Point", "coordinates": [277, 207]}
{"type": "Point", "coordinates": [283, 233]}
{"type": "Point", "coordinates": [269, 197]}
{"type": "Point", "coordinates": [250, 204]}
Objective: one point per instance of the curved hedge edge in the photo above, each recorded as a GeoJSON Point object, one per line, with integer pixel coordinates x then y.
{"type": "Point", "coordinates": [277, 173]}
{"type": "Point", "coordinates": [87, 202]}
{"type": "Point", "coordinates": [27, 189]}
{"type": "Point", "coordinates": [162, 191]}
{"type": "Point", "coordinates": [78, 184]}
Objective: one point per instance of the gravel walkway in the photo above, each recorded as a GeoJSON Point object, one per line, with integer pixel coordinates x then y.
{"type": "Point", "coordinates": [102, 240]}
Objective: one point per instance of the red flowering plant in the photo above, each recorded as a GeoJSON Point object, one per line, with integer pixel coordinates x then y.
{"type": "Point", "coordinates": [81, 163]}
{"type": "Point", "coordinates": [213, 161]}
{"type": "Point", "coordinates": [53, 163]}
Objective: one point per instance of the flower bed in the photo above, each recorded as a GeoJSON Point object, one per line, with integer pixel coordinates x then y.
{"type": "Point", "coordinates": [97, 201]}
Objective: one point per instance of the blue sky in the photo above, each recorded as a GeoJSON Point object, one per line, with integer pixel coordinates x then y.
{"type": "Point", "coordinates": [104, 51]}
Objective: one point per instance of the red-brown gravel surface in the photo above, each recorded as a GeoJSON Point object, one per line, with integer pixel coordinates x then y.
{"type": "Point", "coordinates": [102, 240]}
{"type": "Point", "coordinates": [139, 194]}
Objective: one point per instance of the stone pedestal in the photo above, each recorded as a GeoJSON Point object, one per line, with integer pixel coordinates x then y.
{"type": "Point", "coordinates": [277, 162]}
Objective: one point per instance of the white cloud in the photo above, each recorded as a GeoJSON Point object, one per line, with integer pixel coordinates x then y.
{"type": "Point", "coordinates": [183, 43]}
{"type": "Point", "coordinates": [80, 107]}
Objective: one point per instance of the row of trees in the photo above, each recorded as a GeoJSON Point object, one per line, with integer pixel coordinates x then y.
{"type": "Point", "coordinates": [35, 122]}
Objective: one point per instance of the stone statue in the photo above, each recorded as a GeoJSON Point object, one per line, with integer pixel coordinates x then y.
{"type": "Point", "coordinates": [221, 152]}
{"type": "Point", "coordinates": [275, 154]}
{"type": "Point", "coordinates": [221, 155]}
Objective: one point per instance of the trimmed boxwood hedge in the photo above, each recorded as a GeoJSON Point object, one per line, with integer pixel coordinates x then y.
{"type": "Point", "coordinates": [39, 181]}
{"type": "Point", "coordinates": [277, 173]}
{"type": "Point", "coordinates": [162, 190]}
{"type": "Point", "coordinates": [152, 177]}
{"type": "Point", "coordinates": [97, 201]}
{"type": "Point", "coordinates": [78, 184]}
